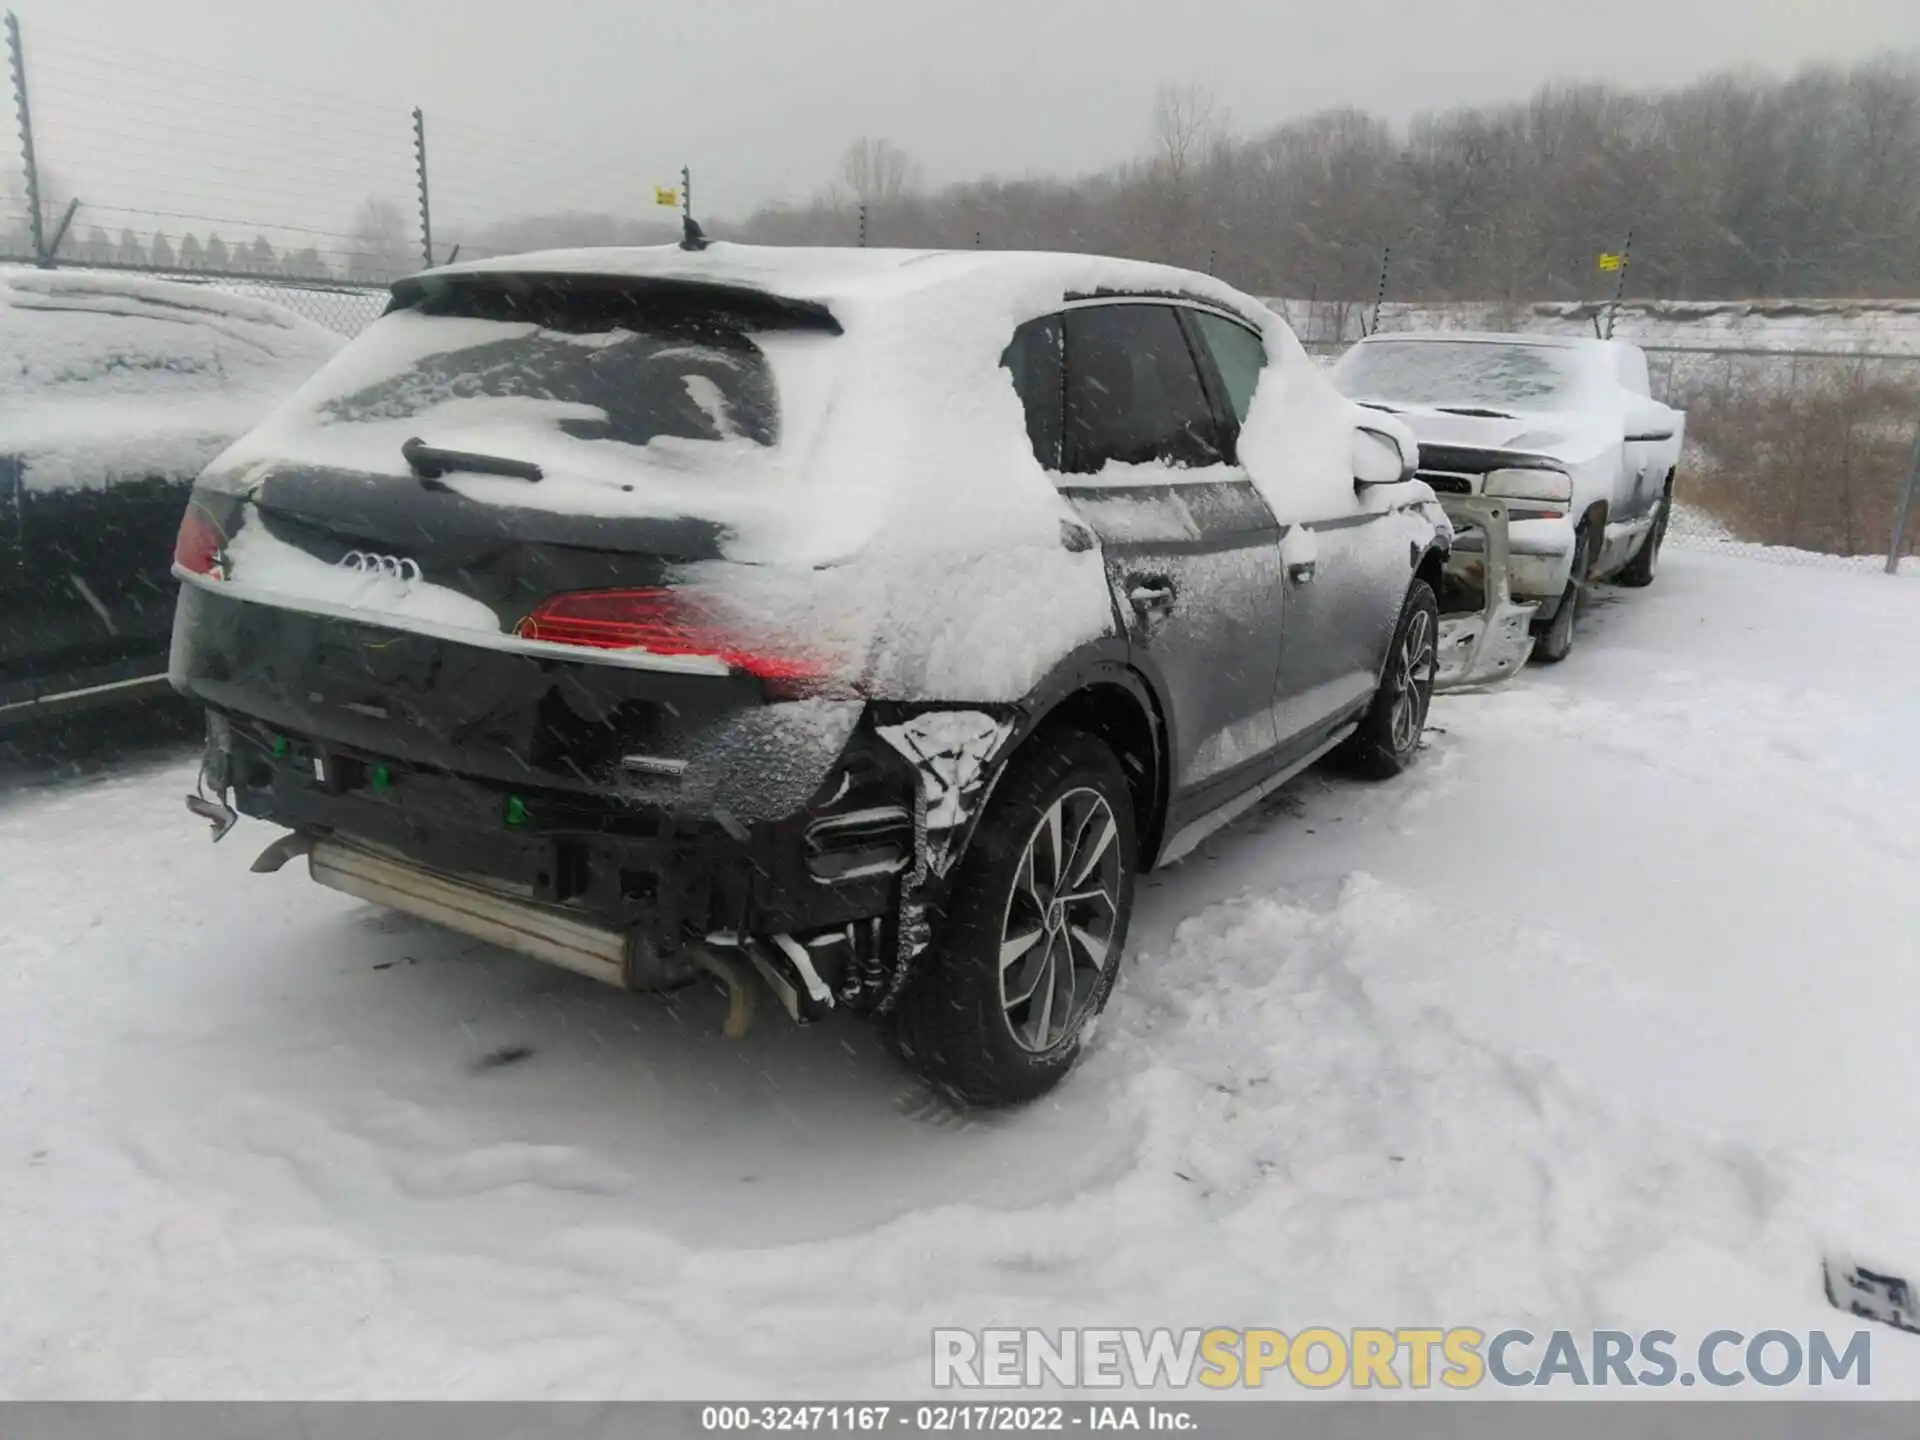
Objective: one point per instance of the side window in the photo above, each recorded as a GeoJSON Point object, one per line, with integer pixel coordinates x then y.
{"type": "Point", "coordinates": [1133, 392]}
{"type": "Point", "coordinates": [1034, 357]}
{"type": "Point", "coordinates": [1238, 354]}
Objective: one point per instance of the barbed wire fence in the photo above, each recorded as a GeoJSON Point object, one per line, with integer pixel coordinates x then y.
{"type": "Point", "coordinates": [125, 160]}
{"type": "Point", "coordinates": [1801, 433]}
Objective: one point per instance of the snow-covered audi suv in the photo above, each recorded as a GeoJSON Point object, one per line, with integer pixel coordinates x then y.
{"type": "Point", "coordinates": [852, 625]}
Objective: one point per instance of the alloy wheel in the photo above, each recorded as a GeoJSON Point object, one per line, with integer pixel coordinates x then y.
{"type": "Point", "coordinates": [1413, 682]}
{"type": "Point", "coordinates": [1057, 935]}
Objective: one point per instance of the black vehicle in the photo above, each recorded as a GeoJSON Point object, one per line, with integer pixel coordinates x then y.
{"type": "Point", "coordinates": [863, 622]}
{"type": "Point", "coordinates": [115, 392]}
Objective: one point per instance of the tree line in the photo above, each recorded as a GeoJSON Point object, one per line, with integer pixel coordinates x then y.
{"type": "Point", "coordinates": [1733, 186]}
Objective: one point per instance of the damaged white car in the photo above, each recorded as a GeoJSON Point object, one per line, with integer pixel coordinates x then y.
{"type": "Point", "coordinates": [1558, 433]}
{"type": "Point", "coordinates": [855, 624]}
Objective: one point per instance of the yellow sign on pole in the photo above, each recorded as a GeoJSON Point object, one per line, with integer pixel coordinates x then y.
{"type": "Point", "coordinates": [1611, 261]}
{"type": "Point", "coordinates": [665, 195]}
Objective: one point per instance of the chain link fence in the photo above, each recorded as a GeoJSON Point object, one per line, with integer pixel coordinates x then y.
{"type": "Point", "coordinates": [343, 309]}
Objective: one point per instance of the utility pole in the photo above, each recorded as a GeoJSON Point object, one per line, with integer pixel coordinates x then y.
{"type": "Point", "coordinates": [17, 62]}
{"type": "Point", "coordinates": [420, 171]}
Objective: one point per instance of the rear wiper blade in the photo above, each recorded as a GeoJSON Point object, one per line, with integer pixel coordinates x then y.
{"type": "Point", "coordinates": [430, 462]}
{"type": "Point", "coordinates": [1475, 410]}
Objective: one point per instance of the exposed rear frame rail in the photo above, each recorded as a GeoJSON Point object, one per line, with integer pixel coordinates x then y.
{"type": "Point", "coordinates": [1488, 646]}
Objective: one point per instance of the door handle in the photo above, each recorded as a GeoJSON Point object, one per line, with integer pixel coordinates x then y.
{"type": "Point", "coordinates": [1150, 596]}
{"type": "Point", "coordinates": [1301, 572]}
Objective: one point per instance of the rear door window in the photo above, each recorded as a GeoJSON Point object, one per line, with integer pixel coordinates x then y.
{"type": "Point", "coordinates": [1039, 379]}
{"type": "Point", "coordinates": [1133, 392]}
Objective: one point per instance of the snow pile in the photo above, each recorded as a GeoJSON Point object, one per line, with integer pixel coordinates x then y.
{"type": "Point", "coordinates": [103, 377]}
{"type": "Point", "coordinates": [1595, 1018]}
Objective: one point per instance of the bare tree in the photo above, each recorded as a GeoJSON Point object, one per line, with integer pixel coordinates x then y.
{"type": "Point", "coordinates": [1189, 129]}
{"type": "Point", "coordinates": [383, 242]}
{"type": "Point", "coordinates": [1187, 124]}
{"type": "Point", "coordinates": [878, 172]}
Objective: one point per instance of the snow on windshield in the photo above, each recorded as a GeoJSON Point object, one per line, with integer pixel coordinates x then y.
{"type": "Point", "coordinates": [1468, 372]}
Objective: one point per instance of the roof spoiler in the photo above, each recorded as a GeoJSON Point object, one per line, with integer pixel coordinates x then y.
{"type": "Point", "coordinates": [758, 307]}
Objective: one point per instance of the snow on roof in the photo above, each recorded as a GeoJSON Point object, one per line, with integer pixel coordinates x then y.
{"type": "Point", "coordinates": [27, 293]}
{"type": "Point", "coordinates": [827, 274]}
{"type": "Point", "coordinates": [104, 374]}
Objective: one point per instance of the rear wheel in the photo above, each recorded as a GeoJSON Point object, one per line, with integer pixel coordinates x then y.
{"type": "Point", "coordinates": [995, 1012]}
{"type": "Point", "coordinates": [1389, 736]}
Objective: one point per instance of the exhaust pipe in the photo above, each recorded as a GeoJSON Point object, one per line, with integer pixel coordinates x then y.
{"type": "Point", "coordinates": [549, 933]}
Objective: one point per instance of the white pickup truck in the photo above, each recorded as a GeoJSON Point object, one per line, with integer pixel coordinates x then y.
{"type": "Point", "coordinates": [1561, 429]}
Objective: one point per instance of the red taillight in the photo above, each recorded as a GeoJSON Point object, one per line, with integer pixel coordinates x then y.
{"type": "Point", "coordinates": [660, 622]}
{"type": "Point", "coordinates": [200, 545]}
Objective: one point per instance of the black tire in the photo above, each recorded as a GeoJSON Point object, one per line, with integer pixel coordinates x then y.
{"type": "Point", "coordinates": [1640, 570]}
{"type": "Point", "coordinates": [1388, 740]}
{"type": "Point", "coordinates": [1553, 641]}
{"type": "Point", "coordinates": [952, 1023]}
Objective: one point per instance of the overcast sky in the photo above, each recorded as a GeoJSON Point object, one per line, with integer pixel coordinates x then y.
{"type": "Point", "coordinates": [259, 110]}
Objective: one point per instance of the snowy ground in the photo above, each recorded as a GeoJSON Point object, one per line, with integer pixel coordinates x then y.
{"type": "Point", "coordinates": [1603, 1016]}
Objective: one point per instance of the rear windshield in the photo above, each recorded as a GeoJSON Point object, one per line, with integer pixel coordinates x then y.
{"type": "Point", "coordinates": [1466, 372]}
{"type": "Point", "coordinates": [596, 361]}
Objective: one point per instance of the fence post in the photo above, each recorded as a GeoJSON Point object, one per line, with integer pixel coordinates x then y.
{"type": "Point", "coordinates": [1896, 546]}
{"type": "Point", "coordinates": [420, 173]}
{"type": "Point", "coordinates": [1619, 285]}
{"type": "Point", "coordinates": [1380, 291]}
{"type": "Point", "coordinates": [863, 224]}
{"type": "Point", "coordinates": [17, 63]}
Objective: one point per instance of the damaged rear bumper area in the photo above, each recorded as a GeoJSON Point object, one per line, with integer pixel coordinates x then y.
{"type": "Point", "coordinates": [1489, 642]}
{"type": "Point", "coordinates": [800, 844]}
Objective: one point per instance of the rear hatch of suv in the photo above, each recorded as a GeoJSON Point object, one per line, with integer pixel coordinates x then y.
{"type": "Point", "coordinates": [464, 545]}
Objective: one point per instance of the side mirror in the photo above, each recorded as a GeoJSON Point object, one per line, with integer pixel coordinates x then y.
{"type": "Point", "coordinates": [1648, 420]}
{"type": "Point", "coordinates": [1380, 458]}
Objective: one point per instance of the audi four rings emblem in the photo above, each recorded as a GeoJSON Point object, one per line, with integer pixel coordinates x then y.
{"type": "Point", "coordinates": [394, 567]}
